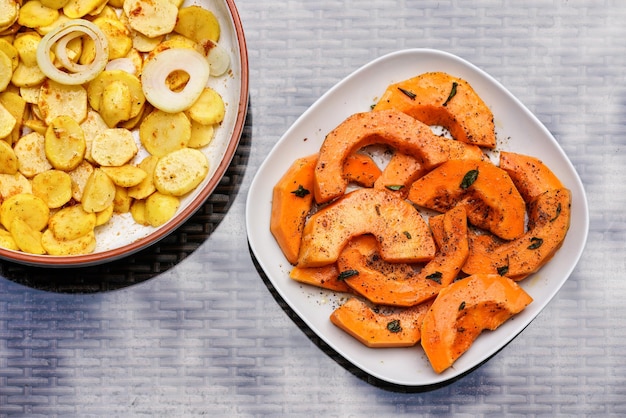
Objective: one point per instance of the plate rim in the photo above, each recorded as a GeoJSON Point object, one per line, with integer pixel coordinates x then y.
{"type": "Point", "coordinates": [442, 378]}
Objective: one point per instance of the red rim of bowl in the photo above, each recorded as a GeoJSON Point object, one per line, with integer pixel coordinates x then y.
{"type": "Point", "coordinates": [185, 214]}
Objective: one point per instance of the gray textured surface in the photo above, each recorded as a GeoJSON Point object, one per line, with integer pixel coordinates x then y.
{"type": "Point", "coordinates": [208, 338]}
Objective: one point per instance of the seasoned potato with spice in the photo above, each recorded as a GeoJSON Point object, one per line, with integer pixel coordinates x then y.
{"type": "Point", "coordinates": [54, 187]}
{"type": "Point", "coordinates": [27, 238]}
{"type": "Point", "coordinates": [198, 24]}
{"type": "Point", "coordinates": [64, 143]}
{"type": "Point", "coordinates": [56, 99]}
{"type": "Point", "coordinates": [12, 184]}
{"type": "Point", "coordinates": [8, 159]}
{"type": "Point", "coordinates": [7, 122]}
{"type": "Point", "coordinates": [162, 132]}
{"type": "Point", "coordinates": [146, 187]}
{"type": "Point", "coordinates": [7, 241]}
{"type": "Point", "coordinates": [71, 222]}
{"type": "Point", "coordinates": [99, 192]}
{"type": "Point", "coordinates": [27, 207]}
{"type": "Point", "coordinates": [209, 109]}
{"type": "Point", "coordinates": [113, 147]}
{"type": "Point", "coordinates": [84, 244]}
{"type": "Point", "coordinates": [151, 17]}
{"type": "Point", "coordinates": [179, 172]}
{"type": "Point", "coordinates": [160, 208]}
{"type": "Point", "coordinates": [33, 14]}
{"type": "Point", "coordinates": [31, 154]}
{"type": "Point", "coordinates": [126, 175]}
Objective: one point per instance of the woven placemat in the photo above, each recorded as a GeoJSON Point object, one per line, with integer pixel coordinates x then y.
{"type": "Point", "coordinates": [152, 260]}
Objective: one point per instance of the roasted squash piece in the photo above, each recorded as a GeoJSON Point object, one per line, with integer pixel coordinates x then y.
{"type": "Point", "coordinates": [361, 169]}
{"type": "Point", "coordinates": [401, 170]}
{"type": "Point", "coordinates": [400, 229]}
{"type": "Point", "coordinates": [325, 277]}
{"type": "Point", "coordinates": [529, 174]}
{"type": "Point", "coordinates": [400, 284]}
{"type": "Point", "coordinates": [438, 98]}
{"type": "Point", "coordinates": [390, 127]}
{"type": "Point", "coordinates": [377, 329]}
{"type": "Point", "coordinates": [491, 199]}
{"type": "Point", "coordinates": [292, 198]}
{"type": "Point", "coordinates": [548, 223]}
{"type": "Point", "coordinates": [463, 310]}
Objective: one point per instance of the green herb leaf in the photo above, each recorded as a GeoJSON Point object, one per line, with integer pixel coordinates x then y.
{"type": "Point", "coordinates": [395, 187]}
{"type": "Point", "coordinates": [462, 306]}
{"type": "Point", "coordinates": [394, 326]}
{"type": "Point", "coordinates": [558, 212]}
{"type": "Point", "coordinates": [435, 277]}
{"type": "Point", "coordinates": [452, 93]}
{"type": "Point", "coordinates": [407, 234]}
{"type": "Point", "coordinates": [503, 270]}
{"type": "Point", "coordinates": [301, 191]}
{"type": "Point", "coordinates": [408, 93]}
{"type": "Point", "coordinates": [535, 243]}
{"type": "Point", "coordinates": [469, 178]}
{"type": "Point", "coordinates": [347, 274]}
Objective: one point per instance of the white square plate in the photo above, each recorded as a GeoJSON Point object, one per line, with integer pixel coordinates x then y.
{"type": "Point", "coordinates": [523, 132]}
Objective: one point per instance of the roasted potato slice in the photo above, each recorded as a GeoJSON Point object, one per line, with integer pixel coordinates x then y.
{"type": "Point", "coordinates": [72, 222]}
{"type": "Point", "coordinates": [54, 187]}
{"type": "Point", "coordinates": [27, 238]}
{"type": "Point", "coordinates": [99, 192]}
{"type": "Point", "coordinates": [113, 147]}
{"type": "Point", "coordinates": [179, 172]}
{"type": "Point", "coordinates": [84, 244]}
{"type": "Point", "coordinates": [208, 109]}
{"type": "Point", "coordinates": [160, 208]}
{"type": "Point", "coordinates": [27, 207]}
{"type": "Point", "coordinates": [31, 154]}
{"type": "Point", "coordinates": [64, 143]}
{"type": "Point", "coordinates": [126, 175]}
{"type": "Point", "coordinates": [161, 132]}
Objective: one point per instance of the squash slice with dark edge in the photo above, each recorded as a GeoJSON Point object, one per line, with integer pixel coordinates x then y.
{"type": "Point", "coordinates": [529, 174]}
{"type": "Point", "coordinates": [487, 192]}
{"type": "Point", "coordinates": [463, 310]}
{"type": "Point", "coordinates": [548, 223]}
{"type": "Point", "coordinates": [325, 277]}
{"type": "Point", "coordinates": [400, 229]}
{"type": "Point", "coordinates": [390, 127]}
{"type": "Point", "coordinates": [438, 98]}
{"type": "Point", "coordinates": [376, 329]}
{"type": "Point", "coordinates": [399, 284]}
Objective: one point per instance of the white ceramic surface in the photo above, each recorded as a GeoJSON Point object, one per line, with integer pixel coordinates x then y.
{"type": "Point", "coordinates": [122, 235]}
{"type": "Point", "coordinates": [517, 130]}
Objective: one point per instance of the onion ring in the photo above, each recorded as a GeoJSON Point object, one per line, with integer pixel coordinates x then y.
{"type": "Point", "coordinates": [154, 79]}
{"type": "Point", "coordinates": [60, 36]}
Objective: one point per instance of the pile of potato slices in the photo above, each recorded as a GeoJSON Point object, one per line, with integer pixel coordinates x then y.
{"type": "Point", "coordinates": [105, 107]}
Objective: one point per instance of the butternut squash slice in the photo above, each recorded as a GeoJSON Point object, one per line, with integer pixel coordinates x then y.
{"type": "Point", "coordinates": [361, 169]}
{"type": "Point", "coordinates": [401, 170]}
{"type": "Point", "coordinates": [400, 229]}
{"type": "Point", "coordinates": [438, 98]}
{"type": "Point", "coordinates": [399, 284]}
{"type": "Point", "coordinates": [463, 310]}
{"type": "Point", "coordinates": [548, 223]}
{"type": "Point", "coordinates": [377, 329]}
{"type": "Point", "coordinates": [292, 199]}
{"type": "Point", "coordinates": [325, 277]}
{"type": "Point", "coordinates": [390, 127]}
{"type": "Point", "coordinates": [529, 174]}
{"type": "Point", "coordinates": [491, 199]}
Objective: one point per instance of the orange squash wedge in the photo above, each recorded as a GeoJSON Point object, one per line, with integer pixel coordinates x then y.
{"type": "Point", "coordinates": [400, 284]}
{"type": "Point", "coordinates": [529, 174]}
{"type": "Point", "coordinates": [548, 223]}
{"type": "Point", "coordinates": [292, 199]}
{"type": "Point", "coordinates": [401, 170]}
{"type": "Point", "coordinates": [373, 328]}
{"type": "Point", "coordinates": [463, 310]}
{"type": "Point", "coordinates": [361, 169]}
{"type": "Point", "coordinates": [390, 127]}
{"type": "Point", "coordinates": [400, 229]}
{"type": "Point", "coordinates": [325, 277]}
{"type": "Point", "coordinates": [487, 192]}
{"type": "Point", "coordinates": [438, 98]}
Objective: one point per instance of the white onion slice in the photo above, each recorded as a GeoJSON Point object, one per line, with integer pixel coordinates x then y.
{"type": "Point", "coordinates": [218, 57]}
{"type": "Point", "coordinates": [60, 36]}
{"type": "Point", "coordinates": [154, 79]}
{"type": "Point", "coordinates": [124, 64]}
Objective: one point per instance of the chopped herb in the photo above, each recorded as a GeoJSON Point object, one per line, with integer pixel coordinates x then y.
{"type": "Point", "coordinates": [558, 212]}
{"type": "Point", "coordinates": [395, 187]}
{"type": "Point", "coordinates": [408, 93]}
{"type": "Point", "coordinates": [377, 207]}
{"type": "Point", "coordinates": [503, 270]}
{"type": "Point", "coordinates": [452, 93]}
{"type": "Point", "coordinates": [435, 277]}
{"type": "Point", "coordinates": [469, 178]}
{"type": "Point", "coordinates": [535, 243]}
{"type": "Point", "coordinates": [347, 274]}
{"type": "Point", "coordinates": [301, 191]}
{"type": "Point", "coordinates": [394, 326]}
{"type": "Point", "coordinates": [462, 306]}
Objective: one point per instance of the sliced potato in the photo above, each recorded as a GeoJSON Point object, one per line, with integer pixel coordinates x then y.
{"type": "Point", "coordinates": [27, 75]}
{"type": "Point", "coordinates": [198, 24]}
{"type": "Point", "coordinates": [12, 184]}
{"type": "Point", "coordinates": [115, 103]}
{"type": "Point", "coordinates": [56, 99]}
{"type": "Point", "coordinates": [7, 241]}
{"type": "Point", "coordinates": [27, 238]}
{"type": "Point", "coordinates": [26, 44]}
{"type": "Point", "coordinates": [122, 201]}
{"type": "Point", "coordinates": [179, 172]}
{"type": "Point", "coordinates": [160, 208]}
{"type": "Point", "coordinates": [31, 154]}
{"type": "Point", "coordinates": [54, 187]}
{"type": "Point", "coordinates": [146, 187]}
{"type": "Point", "coordinates": [105, 215]}
{"type": "Point", "coordinates": [8, 159]}
{"type": "Point", "coordinates": [161, 132]}
{"type": "Point", "coordinates": [76, 9]}
{"type": "Point", "coordinates": [96, 88]}
{"type": "Point", "coordinates": [6, 70]}
{"type": "Point", "coordinates": [201, 135]}
{"type": "Point", "coordinates": [118, 37]}
{"type": "Point", "coordinates": [7, 122]}
{"type": "Point", "coordinates": [27, 207]}
{"type": "Point", "coordinates": [113, 147]}
{"type": "Point", "coordinates": [85, 244]}
{"type": "Point", "coordinates": [72, 222]}
{"type": "Point", "coordinates": [64, 143]}
{"type": "Point", "coordinates": [79, 177]}
{"type": "Point", "coordinates": [138, 212]}
{"type": "Point", "coordinates": [99, 192]}
{"type": "Point", "coordinates": [9, 12]}
{"type": "Point", "coordinates": [92, 126]}
{"type": "Point", "coordinates": [209, 109]}
{"type": "Point", "coordinates": [126, 175]}
{"type": "Point", "coordinates": [16, 106]}
{"type": "Point", "coordinates": [152, 18]}
{"type": "Point", "coordinates": [33, 14]}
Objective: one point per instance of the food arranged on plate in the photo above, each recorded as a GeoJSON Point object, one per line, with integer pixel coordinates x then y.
{"type": "Point", "coordinates": [429, 243]}
{"type": "Point", "coordinates": [105, 107]}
